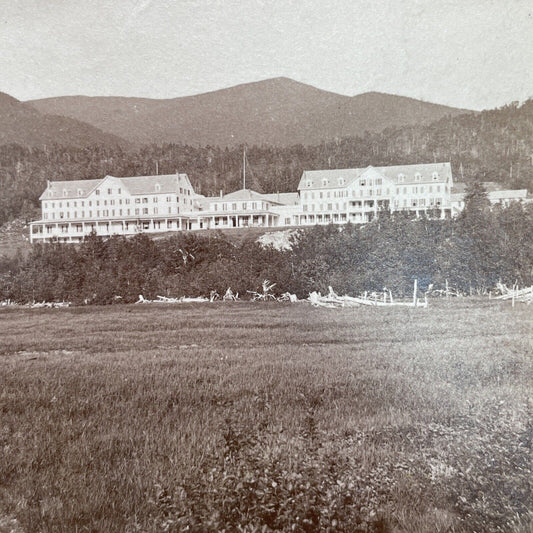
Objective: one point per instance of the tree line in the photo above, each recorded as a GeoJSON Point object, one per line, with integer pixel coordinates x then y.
{"type": "Point", "coordinates": [494, 145]}
{"type": "Point", "coordinates": [473, 252]}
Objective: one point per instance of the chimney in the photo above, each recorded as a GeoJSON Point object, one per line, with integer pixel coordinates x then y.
{"type": "Point", "coordinates": [221, 193]}
{"type": "Point", "coordinates": [47, 184]}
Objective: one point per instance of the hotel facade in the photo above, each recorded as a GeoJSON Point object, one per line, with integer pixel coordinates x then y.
{"type": "Point", "coordinates": [71, 210]}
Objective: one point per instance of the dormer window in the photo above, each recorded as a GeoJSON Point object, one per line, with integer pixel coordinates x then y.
{"type": "Point", "coordinates": [50, 193]}
{"type": "Point", "coordinates": [64, 192]}
{"type": "Point", "coordinates": [417, 176]}
{"type": "Point", "coordinates": [324, 181]}
{"type": "Point", "coordinates": [401, 178]}
{"type": "Point", "coordinates": [308, 183]}
{"type": "Point", "coordinates": [157, 187]}
{"type": "Point", "coordinates": [97, 192]}
{"type": "Point", "coordinates": [362, 182]}
{"type": "Point", "coordinates": [435, 176]}
{"type": "Point", "coordinates": [80, 192]}
{"type": "Point", "coordinates": [341, 181]}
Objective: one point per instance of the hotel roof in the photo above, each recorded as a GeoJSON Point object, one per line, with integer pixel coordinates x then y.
{"type": "Point", "coordinates": [158, 184]}
{"type": "Point", "coordinates": [341, 178]}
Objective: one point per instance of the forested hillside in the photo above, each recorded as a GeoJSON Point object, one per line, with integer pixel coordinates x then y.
{"type": "Point", "coordinates": [494, 145]}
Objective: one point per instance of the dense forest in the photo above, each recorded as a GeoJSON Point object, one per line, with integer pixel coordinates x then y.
{"type": "Point", "coordinates": [473, 252]}
{"type": "Point", "coordinates": [494, 145]}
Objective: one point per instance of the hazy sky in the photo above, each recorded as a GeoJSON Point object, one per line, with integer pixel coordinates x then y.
{"type": "Point", "coordinates": [467, 53]}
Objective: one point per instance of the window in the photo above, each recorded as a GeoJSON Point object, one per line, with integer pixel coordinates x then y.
{"type": "Point", "coordinates": [119, 191]}
{"type": "Point", "coordinates": [136, 210]}
{"type": "Point", "coordinates": [137, 200]}
{"type": "Point", "coordinates": [68, 204]}
{"type": "Point", "coordinates": [109, 191]}
{"type": "Point", "coordinates": [145, 200]}
{"type": "Point", "coordinates": [145, 210]}
{"type": "Point", "coordinates": [155, 210]}
{"type": "Point", "coordinates": [169, 198]}
{"type": "Point", "coordinates": [105, 202]}
{"type": "Point", "coordinates": [234, 207]}
{"type": "Point", "coordinates": [111, 202]}
{"type": "Point", "coordinates": [155, 199]}
{"type": "Point", "coordinates": [97, 192]}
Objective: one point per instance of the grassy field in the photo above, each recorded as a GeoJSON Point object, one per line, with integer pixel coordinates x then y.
{"type": "Point", "coordinates": [267, 417]}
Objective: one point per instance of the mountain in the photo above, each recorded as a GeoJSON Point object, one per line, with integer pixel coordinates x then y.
{"type": "Point", "coordinates": [279, 111]}
{"type": "Point", "coordinates": [23, 124]}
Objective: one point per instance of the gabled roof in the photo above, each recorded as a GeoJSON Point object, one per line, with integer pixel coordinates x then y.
{"type": "Point", "coordinates": [241, 194]}
{"type": "Point", "coordinates": [493, 188]}
{"type": "Point", "coordinates": [284, 198]}
{"type": "Point", "coordinates": [334, 178]}
{"type": "Point", "coordinates": [69, 189]}
{"type": "Point", "coordinates": [410, 173]}
{"type": "Point", "coordinates": [168, 183]}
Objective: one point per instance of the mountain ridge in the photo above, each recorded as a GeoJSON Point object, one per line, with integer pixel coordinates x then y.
{"type": "Point", "coordinates": [278, 111]}
{"type": "Point", "coordinates": [21, 123]}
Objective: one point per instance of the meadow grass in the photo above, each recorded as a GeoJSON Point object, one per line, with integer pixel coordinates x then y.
{"type": "Point", "coordinates": [267, 417]}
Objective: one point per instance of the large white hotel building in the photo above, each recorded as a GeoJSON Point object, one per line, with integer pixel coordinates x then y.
{"type": "Point", "coordinates": [109, 206]}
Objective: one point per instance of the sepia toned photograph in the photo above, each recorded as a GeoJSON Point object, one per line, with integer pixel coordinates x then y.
{"type": "Point", "coordinates": [266, 266]}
